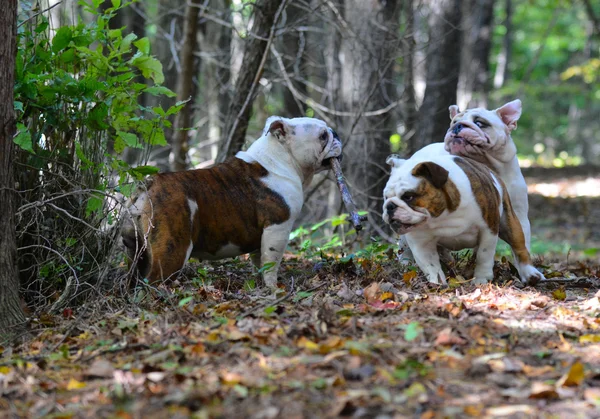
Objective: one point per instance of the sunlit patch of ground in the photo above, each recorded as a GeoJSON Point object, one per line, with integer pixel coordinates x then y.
{"type": "Point", "coordinates": [567, 188]}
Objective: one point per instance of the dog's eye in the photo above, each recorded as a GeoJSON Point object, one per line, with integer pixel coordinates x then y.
{"type": "Point", "coordinates": [324, 137]}
{"type": "Point", "coordinates": [408, 197]}
{"type": "Point", "coordinates": [480, 124]}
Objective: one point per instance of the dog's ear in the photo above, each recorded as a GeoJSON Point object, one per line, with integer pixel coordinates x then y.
{"type": "Point", "coordinates": [436, 174]}
{"type": "Point", "coordinates": [510, 113]}
{"type": "Point", "coordinates": [453, 111]}
{"type": "Point", "coordinates": [395, 161]}
{"type": "Point", "coordinates": [277, 127]}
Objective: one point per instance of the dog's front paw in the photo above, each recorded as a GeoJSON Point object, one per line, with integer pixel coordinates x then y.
{"type": "Point", "coordinates": [481, 280]}
{"type": "Point", "coordinates": [530, 275]}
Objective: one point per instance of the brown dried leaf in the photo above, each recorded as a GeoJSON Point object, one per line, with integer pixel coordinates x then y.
{"type": "Point", "coordinates": [541, 390]}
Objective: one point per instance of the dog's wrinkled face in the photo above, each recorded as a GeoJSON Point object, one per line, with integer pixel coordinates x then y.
{"type": "Point", "coordinates": [310, 142]}
{"type": "Point", "coordinates": [416, 193]}
{"type": "Point", "coordinates": [479, 132]}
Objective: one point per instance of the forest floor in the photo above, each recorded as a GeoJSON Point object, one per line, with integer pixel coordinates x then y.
{"type": "Point", "coordinates": [358, 338]}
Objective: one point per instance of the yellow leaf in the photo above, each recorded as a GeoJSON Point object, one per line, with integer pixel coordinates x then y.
{"type": "Point", "coordinates": [408, 276]}
{"type": "Point", "coordinates": [307, 344]}
{"type": "Point", "coordinates": [589, 339]}
{"type": "Point", "coordinates": [386, 296]}
{"type": "Point", "coordinates": [574, 377]}
{"type": "Point", "coordinates": [559, 294]}
{"type": "Point", "coordinates": [330, 344]}
{"type": "Point", "coordinates": [75, 385]}
{"type": "Point", "coordinates": [5, 370]}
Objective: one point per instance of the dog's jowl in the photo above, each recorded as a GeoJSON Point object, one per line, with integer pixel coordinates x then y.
{"type": "Point", "coordinates": [247, 204]}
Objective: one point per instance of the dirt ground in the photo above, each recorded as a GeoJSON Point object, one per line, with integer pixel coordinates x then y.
{"type": "Point", "coordinates": [360, 338]}
{"type": "Point", "coordinates": [346, 340]}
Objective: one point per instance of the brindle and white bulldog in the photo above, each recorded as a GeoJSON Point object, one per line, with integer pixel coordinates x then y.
{"type": "Point", "coordinates": [248, 204]}
{"type": "Point", "coordinates": [455, 203]}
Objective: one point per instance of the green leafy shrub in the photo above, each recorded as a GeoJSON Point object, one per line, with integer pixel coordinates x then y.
{"type": "Point", "coordinates": [77, 98]}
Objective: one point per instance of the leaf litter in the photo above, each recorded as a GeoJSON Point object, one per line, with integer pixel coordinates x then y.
{"type": "Point", "coordinates": [351, 339]}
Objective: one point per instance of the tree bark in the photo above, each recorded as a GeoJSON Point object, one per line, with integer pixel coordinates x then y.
{"type": "Point", "coordinates": [185, 87]}
{"type": "Point", "coordinates": [367, 55]}
{"type": "Point", "coordinates": [504, 55]}
{"type": "Point", "coordinates": [294, 48]}
{"type": "Point", "coordinates": [474, 80]}
{"type": "Point", "coordinates": [266, 14]}
{"type": "Point", "coordinates": [409, 102]}
{"type": "Point", "coordinates": [443, 67]}
{"type": "Point", "coordinates": [12, 319]}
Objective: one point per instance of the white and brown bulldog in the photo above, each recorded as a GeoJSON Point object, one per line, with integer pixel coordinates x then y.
{"type": "Point", "coordinates": [484, 135]}
{"type": "Point", "coordinates": [455, 203]}
{"type": "Point", "coordinates": [248, 204]}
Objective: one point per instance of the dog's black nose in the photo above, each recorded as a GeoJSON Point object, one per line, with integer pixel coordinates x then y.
{"type": "Point", "coordinates": [457, 128]}
{"type": "Point", "coordinates": [390, 208]}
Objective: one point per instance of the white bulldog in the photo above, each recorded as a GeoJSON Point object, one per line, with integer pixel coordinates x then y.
{"type": "Point", "coordinates": [247, 204]}
{"type": "Point", "coordinates": [455, 203]}
{"type": "Point", "coordinates": [484, 135]}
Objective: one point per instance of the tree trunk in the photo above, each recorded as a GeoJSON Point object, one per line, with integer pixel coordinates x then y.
{"type": "Point", "coordinates": [503, 59]}
{"type": "Point", "coordinates": [294, 48]}
{"type": "Point", "coordinates": [185, 87]}
{"type": "Point", "coordinates": [367, 57]}
{"type": "Point", "coordinates": [443, 67]}
{"type": "Point", "coordinates": [474, 80]}
{"type": "Point", "coordinates": [266, 14]}
{"type": "Point", "coordinates": [409, 102]}
{"type": "Point", "coordinates": [12, 319]}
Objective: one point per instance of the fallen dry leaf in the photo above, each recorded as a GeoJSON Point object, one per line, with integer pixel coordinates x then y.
{"type": "Point", "coordinates": [541, 390]}
{"type": "Point", "coordinates": [448, 337]}
{"type": "Point", "coordinates": [372, 293]}
{"type": "Point", "coordinates": [100, 368]}
{"type": "Point", "coordinates": [574, 377]}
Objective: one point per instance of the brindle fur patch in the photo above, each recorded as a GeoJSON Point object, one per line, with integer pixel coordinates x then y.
{"type": "Point", "coordinates": [484, 189]}
{"type": "Point", "coordinates": [512, 232]}
{"type": "Point", "coordinates": [234, 207]}
{"type": "Point", "coordinates": [436, 200]}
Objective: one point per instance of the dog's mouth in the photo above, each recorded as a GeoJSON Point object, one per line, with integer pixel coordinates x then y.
{"type": "Point", "coordinates": [403, 228]}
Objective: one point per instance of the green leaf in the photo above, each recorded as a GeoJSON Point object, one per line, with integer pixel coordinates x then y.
{"type": "Point", "coordinates": [130, 139]}
{"type": "Point", "coordinates": [18, 106]}
{"type": "Point", "coordinates": [266, 267]}
{"type": "Point", "coordinates": [23, 138]}
{"type": "Point", "coordinates": [145, 170]}
{"type": "Point", "coordinates": [412, 331]}
{"type": "Point", "coordinates": [81, 155]}
{"type": "Point", "coordinates": [160, 90]}
{"type": "Point", "coordinates": [126, 42]}
{"type": "Point", "coordinates": [185, 300]}
{"type": "Point", "coordinates": [116, 3]}
{"type": "Point", "coordinates": [150, 68]}
{"type": "Point", "coordinates": [270, 309]}
{"type": "Point", "coordinates": [157, 137]}
{"type": "Point", "coordinates": [97, 116]}
{"type": "Point", "coordinates": [62, 38]}
{"type": "Point", "coordinates": [302, 295]}
{"type": "Point", "coordinates": [143, 44]}
{"type": "Point", "coordinates": [94, 204]}
{"type": "Point", "coordinates": [177, 107]}
{"type": "Point", "coordinates": [592, 251]}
